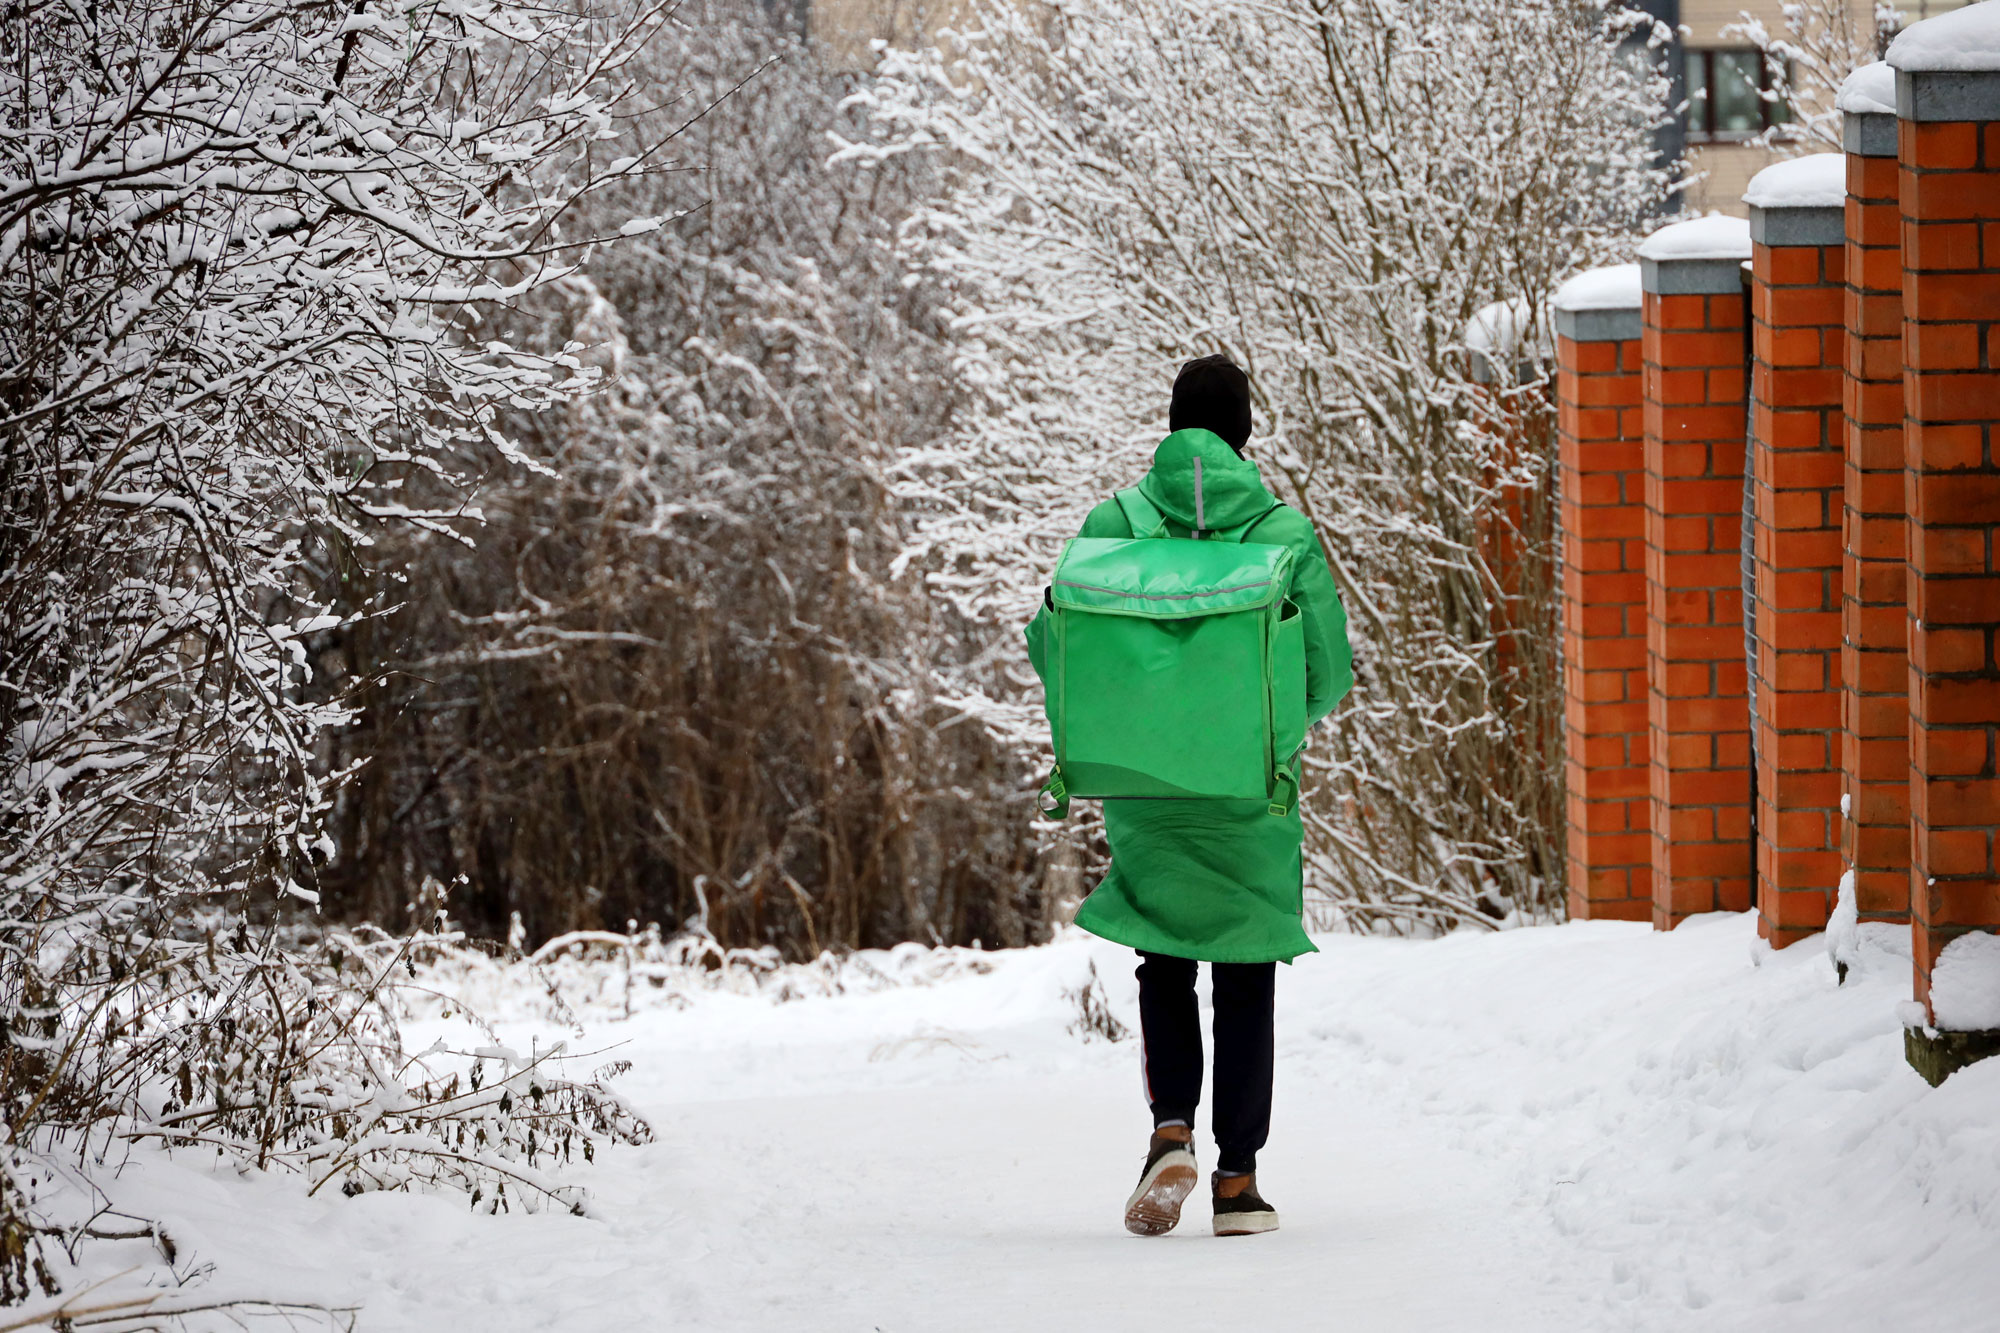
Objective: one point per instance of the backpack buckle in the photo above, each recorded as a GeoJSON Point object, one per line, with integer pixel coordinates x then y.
{"type": "Point", "coordinates": [1053, 799]}
{"type": "Point", "coordinates": [1285, 790]}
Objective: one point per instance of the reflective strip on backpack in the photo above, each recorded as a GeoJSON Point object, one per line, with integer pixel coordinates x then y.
{"type": "Point", "coordinates": [1161, 596]}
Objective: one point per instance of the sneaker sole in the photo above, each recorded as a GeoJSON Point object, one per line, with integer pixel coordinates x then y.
{"type": "Point", "coordinates": [1246, 1224]}
{"type": "Point", "coordinates": [1155, 1206]}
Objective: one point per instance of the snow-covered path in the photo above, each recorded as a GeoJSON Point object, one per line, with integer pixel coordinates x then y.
{"type": "Point", "coordinates": [995, 1205]}
{"type": "Point", "coordinates": [1590, 1127]}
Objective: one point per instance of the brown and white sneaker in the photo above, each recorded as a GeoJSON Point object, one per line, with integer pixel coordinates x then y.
{"type": "Point", "coordinates": [1168, 1178]}
{"type": "Point", "coordinates": [1242, 1212]}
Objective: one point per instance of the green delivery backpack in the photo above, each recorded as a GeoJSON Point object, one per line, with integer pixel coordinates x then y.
{"type": "Point", "coordinates": [1175, 668]}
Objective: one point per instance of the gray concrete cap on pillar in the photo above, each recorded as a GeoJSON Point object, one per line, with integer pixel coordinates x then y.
{"type": "Point", "coordinates": [1598, 326]}
{"type": "Point", "coordinates": [1948, 94]}
{"type": "Point", "coordinates": [1692, 277]}
{"type": "Point", "coordinates": [1600, 305]}
{"type": "Point", "coordinates": [1868, 134]}
{"type": "Point", "coordinates": [1699, 257]}
{"type": "Point", "coordinates": [1798, 226]}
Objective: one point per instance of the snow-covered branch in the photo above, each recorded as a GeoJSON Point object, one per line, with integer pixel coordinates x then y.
{"type": "Point", "coordinates": [1329, 191]}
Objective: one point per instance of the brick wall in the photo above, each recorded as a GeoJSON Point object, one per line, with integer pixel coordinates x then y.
{"type": "Point", "coordinates": [1798, 263]}
{"type": "Point", "coordinates": [1869, 357]}
{"type": "Point", "coordinates": [1694, 393]}
{"type": "Point", "coordinates": [1601, 450]}
{"type": "Point", "coordinates": [1948, 155]}
{"type": "Point", "coordinates": [1875, 711]}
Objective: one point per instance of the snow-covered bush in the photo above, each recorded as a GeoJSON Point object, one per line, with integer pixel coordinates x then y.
{"type": "Point", "coordinates": [591, 976]}
{"type": "Point", "coordinates": [290, 1057]}
{"type": "Point", "coordinates": [246, 249]}
{"type": "Point", "coordinates": [682, 676]}
{"type": "Point", "coordinates": [1327, 190]}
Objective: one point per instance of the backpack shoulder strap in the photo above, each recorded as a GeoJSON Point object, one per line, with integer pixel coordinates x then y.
{"type": "Point", "coordinates": [1141, 514]}
{"type": "Point", "coordinates": [1251, 526]}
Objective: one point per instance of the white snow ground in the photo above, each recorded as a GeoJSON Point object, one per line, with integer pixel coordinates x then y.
{"type": "Point", "coordinates": [1578, 1128]}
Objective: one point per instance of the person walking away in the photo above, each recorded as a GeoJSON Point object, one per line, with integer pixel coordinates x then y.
{"type": "Point", "coordinates": [1215, 881]}
{"type": "Point", "coordinates": [1211, 881]}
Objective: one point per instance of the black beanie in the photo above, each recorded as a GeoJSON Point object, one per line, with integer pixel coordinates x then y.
{"type": "Point", "coordinates": [1212, 393]}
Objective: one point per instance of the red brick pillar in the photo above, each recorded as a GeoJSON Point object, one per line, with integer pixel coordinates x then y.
{"type": "Point", "coordinates": [1697, 685]}
{"type": "Point", "coordinates": [1798, 268]}
{"type": "Point", "coordinates": [1948, 152]}
{"type": "Point", "coordinates": [1875, 706]}
{"type": "Point", "coordinates": [1601, 449]}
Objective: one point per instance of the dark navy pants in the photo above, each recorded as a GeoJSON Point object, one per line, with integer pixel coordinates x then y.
{"type": "Point", "coordinates": [1170, 1026]}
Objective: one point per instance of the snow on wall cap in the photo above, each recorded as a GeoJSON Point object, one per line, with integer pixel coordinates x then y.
{"type": "Point", "coordinates": [1613, 288]}
{"type": "Point", "coordinates": [1965, 984]}
{"type": "Point", "coordinates": [1503, 336]}
{"type": "Point", "coordinates": [1500, 328]}
{"type": "Point", "coordinates": [1819, 181]}
{"type": "Point", "coordinates": [1869, 91]}
{"type": "Point", "coordinates": [1964, 39]}
{"type": "Point", "coordinates": [1712, 237]}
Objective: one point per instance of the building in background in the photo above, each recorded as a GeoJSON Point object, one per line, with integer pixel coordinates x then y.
{"type": "Point", "coordinates": [1731, 96]}
{"type": "Point", "coordinates": [845, 30]}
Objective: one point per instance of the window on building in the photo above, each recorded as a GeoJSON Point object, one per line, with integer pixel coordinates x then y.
{"type": "Point", "coordinates": [1729, 94]}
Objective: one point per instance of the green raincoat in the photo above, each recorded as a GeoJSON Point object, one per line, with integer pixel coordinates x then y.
{"type": "Point", "coordinates": [1219, 881]}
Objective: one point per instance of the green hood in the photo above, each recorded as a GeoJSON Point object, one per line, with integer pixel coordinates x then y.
{"type": "Point", "coordinates": [1231, 492]}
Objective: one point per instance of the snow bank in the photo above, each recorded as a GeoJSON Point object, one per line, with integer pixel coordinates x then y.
{"type": "Point", "coordinates": [1964, 39]}
{"type": "Point", "coordinates": [1869, 90]}
{"type": "Point", "coordinates": [1843, 926]}
{"type": "Point", "coordinates": [1965, 984]}
{"type": "Point", "coordinates": [1723, 1137]}
{"type": "Point", "coordinates": [1614, 288]}
{"type": "Point", "coordinates": [1818, 181]}
{"type": "Point", "coordinates": [604, 976]}
{"type": "Point", "coordinates": [1712, 237]}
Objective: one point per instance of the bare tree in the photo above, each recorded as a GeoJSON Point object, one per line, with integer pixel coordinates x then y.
{"type": "Point", "coordinates": [682, 678]}
{"type": "Point", "coordinates": [247, 250]}
{"type": "Point", "coordinates": [1328, 190]}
